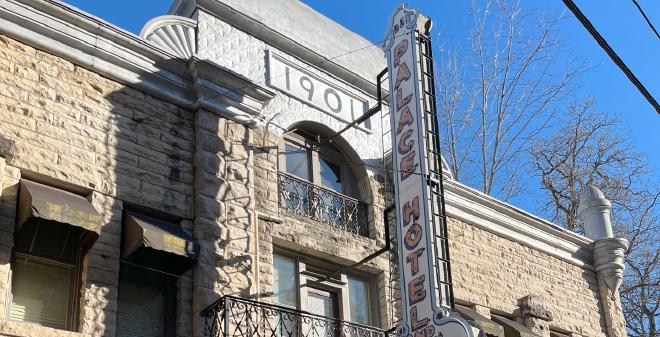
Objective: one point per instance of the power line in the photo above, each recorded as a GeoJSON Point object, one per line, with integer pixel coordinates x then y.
{"type": "Point", "coordinates": [641, 11]}
{"type": "Point", "coordinates": [603, 44]}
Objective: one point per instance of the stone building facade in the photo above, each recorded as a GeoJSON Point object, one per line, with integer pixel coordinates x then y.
{"type": "Point", "coordinates": [214, 128]}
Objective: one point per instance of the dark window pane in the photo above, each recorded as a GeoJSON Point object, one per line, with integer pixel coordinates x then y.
{"type": "Point", "coordinates": [330, 175]}
{"type": "Point", "coordinates": [297, 161]}
{"type": "Point", "coordinates": [141, 312]}
{"type": "Point", "coordinates": [284, 281]}
{"type": "Point", "coordinates": [40, 293]}
{"type": "Point", "coordinates": [146, 303]}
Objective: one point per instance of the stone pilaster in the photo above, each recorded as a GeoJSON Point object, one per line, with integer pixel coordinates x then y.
{"type": "Point", "coordinates": [535, 315]}
{"type": "Point", "coordinates": [100, 271]}
{"type": "Point", "coordinates": [224, 207]}
{"type": "Point", "coordinates": [265, 150]}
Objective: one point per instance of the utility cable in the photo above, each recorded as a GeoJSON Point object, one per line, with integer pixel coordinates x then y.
{"type": "Point", "coordinates": [603, 44]}
{"type": "Point", "coordinates": [641, 11]}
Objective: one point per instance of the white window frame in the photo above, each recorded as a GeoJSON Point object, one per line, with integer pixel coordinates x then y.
{"type": "Point", "coordinates": [338, 285]}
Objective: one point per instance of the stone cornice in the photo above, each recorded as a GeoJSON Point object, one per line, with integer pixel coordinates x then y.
{"type": "Point", "coordinates": [473, 207]}
{"type": "Point", "coordinates": [92, 43]}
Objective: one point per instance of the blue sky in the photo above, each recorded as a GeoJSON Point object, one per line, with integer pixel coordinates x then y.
{"type": "Point", "coordinates": [617, 20]}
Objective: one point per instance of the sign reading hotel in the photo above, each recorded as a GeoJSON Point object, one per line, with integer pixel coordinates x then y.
{"type": "Point", "coordinates": [303, 85]}
{"type": "Point", "coordinates": [422, 315]}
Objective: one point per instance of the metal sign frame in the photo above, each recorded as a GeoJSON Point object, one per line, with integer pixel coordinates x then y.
{"type": "Point", "coordinates": [426, 306]}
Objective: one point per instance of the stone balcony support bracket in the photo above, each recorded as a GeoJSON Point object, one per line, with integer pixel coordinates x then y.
{"type": "Point", "coordinates": [609, 252]}
{"type": "Point", "coordinates": [609, 260]}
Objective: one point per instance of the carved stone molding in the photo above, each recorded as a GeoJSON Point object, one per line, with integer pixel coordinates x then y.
{"type": "Point", "coordinates": [174, 34]}
{"type": "Point", "coordinates": [609, 260]}
{"type": "Point", "coordinates": [532, 306]}
{"type": "Point", "coordinates": [594, 211]}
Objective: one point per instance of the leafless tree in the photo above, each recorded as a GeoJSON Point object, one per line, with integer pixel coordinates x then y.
{"type": "Point", "coordinates": [640, 293]}
{"type": "Point", "coordinates": [587, 148]}
{"type": "Point", "coordinates": [504, 95]}
{"type": "Point", "coordinates": [591, 148]}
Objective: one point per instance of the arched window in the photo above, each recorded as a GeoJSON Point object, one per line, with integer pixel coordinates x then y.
{"type": "Point", "coordinates": [321, 164]}
{"type": "Point", "coordinates": [317, 180]}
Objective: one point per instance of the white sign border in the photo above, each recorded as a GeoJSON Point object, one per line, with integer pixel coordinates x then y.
{"type": "Point", "coordinates": [446, 325]}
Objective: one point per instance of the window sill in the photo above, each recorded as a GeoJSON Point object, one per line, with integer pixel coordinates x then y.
{"type": "Point", "coordinates": [24, 329]}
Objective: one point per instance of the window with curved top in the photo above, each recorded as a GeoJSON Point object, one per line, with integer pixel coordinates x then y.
{"type": "Point", "coordinates": [316, 180]}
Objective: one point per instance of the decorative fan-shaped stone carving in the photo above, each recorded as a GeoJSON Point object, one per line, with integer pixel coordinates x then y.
{"type": "Point", "coordinates": [174, 34]}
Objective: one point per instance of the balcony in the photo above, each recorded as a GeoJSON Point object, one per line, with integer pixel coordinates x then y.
{"type": "Point", "coordinates": [236, 317]}
{"type": "Point", "coordinates": [301, 197]}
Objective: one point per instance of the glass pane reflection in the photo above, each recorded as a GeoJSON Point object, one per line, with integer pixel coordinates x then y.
{"type": "Point", "coordinates": [284, 280]}
{"type": "Point", "coordinates": [358, 297]}
{"type": "Point", "coordinates": [297, 161]}
{"type": "Point", "coordinates": [330, 175]}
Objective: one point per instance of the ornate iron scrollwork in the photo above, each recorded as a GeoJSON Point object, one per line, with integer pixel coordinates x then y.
{"type": "Point", "coordinates": [237, 317]}
{"type": "Point", "coordinates": [304, 198]}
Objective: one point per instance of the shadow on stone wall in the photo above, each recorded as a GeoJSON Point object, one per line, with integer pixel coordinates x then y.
{"type": "Point", "coordinates": [190, 167]}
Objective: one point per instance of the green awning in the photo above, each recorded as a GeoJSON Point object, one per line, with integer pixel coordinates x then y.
{"type": "Point", "coordinates": [489, 327]}
{"type": "Point", "coordinates": [49, 203]}
{"type": "Point", "coordinates": [157, 244]}
{"type": "Point", "coordinates": [513, 328]}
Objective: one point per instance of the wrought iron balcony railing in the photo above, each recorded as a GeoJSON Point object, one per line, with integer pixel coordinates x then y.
{"type": "Point", "coordinates": [236, 317]}
{"type": "Point", "coordinates": [302, 197]}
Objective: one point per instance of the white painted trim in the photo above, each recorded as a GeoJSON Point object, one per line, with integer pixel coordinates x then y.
{"type": "Point", "coordinates": [172, 33]}
{"type": "Point", "coordinates": [92, 43]}
{"type": "Point", "coordinates": [478, 209]}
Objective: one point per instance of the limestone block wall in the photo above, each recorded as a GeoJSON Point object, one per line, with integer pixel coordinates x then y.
{"type": "Point", "coordinates": [496, 273]}
{"type": "Point", "coordinates": [74, 125]}
{"type": "Point", "coordinates": [81, 130]}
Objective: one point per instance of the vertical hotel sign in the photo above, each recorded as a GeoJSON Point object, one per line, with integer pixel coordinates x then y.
{"type": "Point", "coordinates": [422, 316]}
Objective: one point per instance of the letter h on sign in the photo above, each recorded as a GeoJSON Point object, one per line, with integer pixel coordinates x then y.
{"type": "Point", "coordinates": [422, 316]}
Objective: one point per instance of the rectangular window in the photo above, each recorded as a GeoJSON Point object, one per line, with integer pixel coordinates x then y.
{"type": "Point", "coordinates": [284, 281]}
{"type": "Point", "coordinates": [296, 159]}
{"type": "Point", "coordinates": [45, 274]}
{"type": "Point", "coordinates": [345, 297]}
{"type": "Point", "coordinates": [321, 302]}
{"type": "Point", "coordinates": [359, 300]}
{"type": "Point", "coordinates": [146, 303]}
{"type": "Point", "coordinates": [41, 292]}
